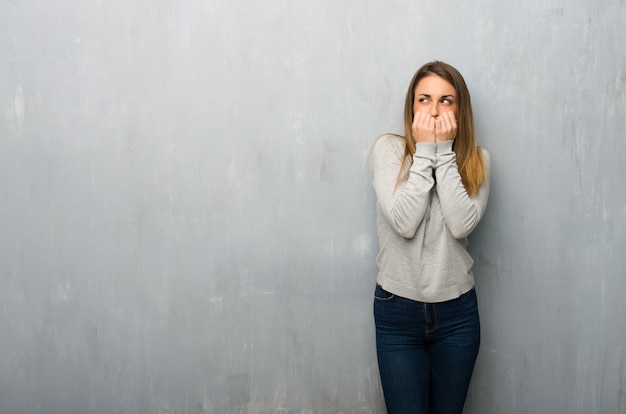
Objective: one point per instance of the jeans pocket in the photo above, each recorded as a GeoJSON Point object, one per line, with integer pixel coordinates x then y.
{"type": "Point", "coordinates": [382, 295]}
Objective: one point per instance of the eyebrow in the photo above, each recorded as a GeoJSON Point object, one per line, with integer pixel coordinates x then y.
{"type": "Point", "coordinates": [444, 96]}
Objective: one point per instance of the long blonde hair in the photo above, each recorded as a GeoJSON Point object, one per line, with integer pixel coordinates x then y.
{"type": "Point", "coordinates": [468, 156]}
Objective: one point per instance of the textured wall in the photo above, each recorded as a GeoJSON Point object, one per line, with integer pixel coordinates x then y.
{"type": "Point", "coordinates": [188, 226]}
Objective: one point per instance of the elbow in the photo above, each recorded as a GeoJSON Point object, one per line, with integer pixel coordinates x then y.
{"type": "Point", "coordinates": [462, 229]}
{"type": "Point", "coordinates": [408, 233]}
{"type": "Point", "coordinates": [404, 224]}
{"type": "Point", "coordinates": [460, 232]}
{"type": "Point", "coordinates": [406, 230]}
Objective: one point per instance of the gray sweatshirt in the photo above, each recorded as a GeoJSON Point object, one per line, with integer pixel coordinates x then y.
{"type": "Point", "coordinates": [423, 223]}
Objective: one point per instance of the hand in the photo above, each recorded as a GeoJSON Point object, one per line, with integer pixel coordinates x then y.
{"type": "Point", "coordinates": [423, 127]}
{"type": "Point", "coordinates": [445, 127]}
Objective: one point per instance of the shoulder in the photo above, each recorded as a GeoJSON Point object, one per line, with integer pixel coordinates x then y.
{"type": "Point", "coordinates": [389, 144]}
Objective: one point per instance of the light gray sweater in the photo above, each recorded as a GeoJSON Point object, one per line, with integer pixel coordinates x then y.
{"type": "Point", "coordinates": [424, 222]}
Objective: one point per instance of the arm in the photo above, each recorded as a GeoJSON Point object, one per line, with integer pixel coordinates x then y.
{"type": "Point", "coordinates": [461, 212]}
{"type": "Point", "coordinates": [404, 206]}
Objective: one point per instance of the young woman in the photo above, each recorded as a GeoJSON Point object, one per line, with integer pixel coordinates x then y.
{"type": "Point", "coordinates": [432, 187]}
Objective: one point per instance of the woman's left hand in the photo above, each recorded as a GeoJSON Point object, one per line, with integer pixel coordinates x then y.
{"type": "Point", "coordinates": [445, 127]}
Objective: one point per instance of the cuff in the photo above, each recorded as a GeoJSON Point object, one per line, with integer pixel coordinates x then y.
{"type": "Point", "coordinates": [444, 147]}
{"type": "Point", "coordinates": [425, 149]}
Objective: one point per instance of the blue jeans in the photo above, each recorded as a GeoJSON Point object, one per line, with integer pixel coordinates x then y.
{"type": "Point", "coordinates": [426, 352]}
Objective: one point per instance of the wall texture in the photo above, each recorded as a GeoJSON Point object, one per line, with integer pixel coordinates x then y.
{"type": "Point", "coordinates": [188, 225]}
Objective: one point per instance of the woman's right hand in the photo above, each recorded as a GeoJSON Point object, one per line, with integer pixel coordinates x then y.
{"type": "Point", "coordinates": [423, 127]}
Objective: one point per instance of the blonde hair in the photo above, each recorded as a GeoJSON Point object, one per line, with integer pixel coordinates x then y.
{"type": "Point", "coordinates": [468, 156]}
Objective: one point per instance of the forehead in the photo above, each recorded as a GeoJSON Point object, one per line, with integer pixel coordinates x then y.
{"type": "Point", "coordinates": [434, 85]}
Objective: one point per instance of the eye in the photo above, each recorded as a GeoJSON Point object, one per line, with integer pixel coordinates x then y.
{"type": "Point", "coordinates": [447, 101]}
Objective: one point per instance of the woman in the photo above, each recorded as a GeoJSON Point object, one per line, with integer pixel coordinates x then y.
{"type": "Point", "coordinates": [432, 187]}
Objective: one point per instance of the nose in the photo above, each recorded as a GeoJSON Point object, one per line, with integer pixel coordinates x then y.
{"type": "Point", "coordinates": [434, 110]}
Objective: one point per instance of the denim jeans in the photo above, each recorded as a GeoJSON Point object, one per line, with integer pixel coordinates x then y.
{"type": "Point", "coordinates": [426, 352]}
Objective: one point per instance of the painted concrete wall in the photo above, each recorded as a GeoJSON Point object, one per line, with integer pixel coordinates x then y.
{"type": "Point", "coordinates": [188, 227]}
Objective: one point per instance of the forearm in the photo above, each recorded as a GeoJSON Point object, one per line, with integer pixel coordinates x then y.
{"type": "Point", "coordinates": [405, 205]}
{"type": "Point", "coordinates": [461, 212]}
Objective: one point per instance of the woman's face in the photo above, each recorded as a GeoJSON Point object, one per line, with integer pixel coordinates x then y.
{"type": "Point", "coordinates": [434, 95]}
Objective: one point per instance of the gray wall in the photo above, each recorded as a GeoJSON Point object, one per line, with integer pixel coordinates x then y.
{"type": "Point", "coordinates": [188, 226]}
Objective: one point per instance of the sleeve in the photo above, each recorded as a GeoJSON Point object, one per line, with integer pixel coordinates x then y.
{"type": "Point", "coordinates": [403, 207]}
{"type": "Point", "coordinates": [461, 212]}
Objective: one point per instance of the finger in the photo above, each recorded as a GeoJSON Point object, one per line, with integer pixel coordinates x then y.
{"type": "Point", "coordinates": [421, 121]}
{"type": "Point", "coordinates": [423, 127]}
{"type": "Point", "coordinates": [416, 127]}
{"type": "Point", "coordinates": [431, 121]}
{"type": "Point", "coordinates": [439, 129]}
{"type": "Point", "coordinates": [416, 119]}
{"type": "Point", "coordinates": [424, 119]}
{"type": "Point", "coordinates": [451, 120]}
{"type": "Point", "coordinates": [444, 120]}
{"type": "Point", "coordinates": [448, 122]}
